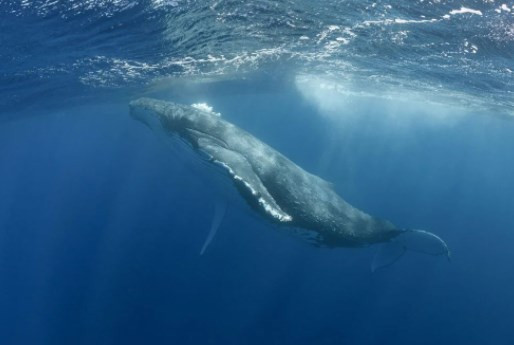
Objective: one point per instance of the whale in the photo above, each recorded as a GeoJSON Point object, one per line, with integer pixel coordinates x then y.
{"type": "Point", "coordinates": [280, 190]}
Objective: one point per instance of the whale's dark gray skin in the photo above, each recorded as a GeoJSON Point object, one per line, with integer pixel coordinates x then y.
{"type": "Point", "coordinates": [272, 184]}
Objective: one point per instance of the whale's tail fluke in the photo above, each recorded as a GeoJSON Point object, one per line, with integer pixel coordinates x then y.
{"type": "Point", "coordinates": [414, 240]}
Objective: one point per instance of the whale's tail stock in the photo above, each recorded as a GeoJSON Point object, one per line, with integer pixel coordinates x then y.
{"type": "Point", "coordinates": [409, 240]}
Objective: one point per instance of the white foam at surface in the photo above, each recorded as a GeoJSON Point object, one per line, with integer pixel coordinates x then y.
{"type": "Point", "coordinates": [412, 21]}
{"type": "Point", "coordinates": [163, 3]}
{"type": "Point", "coordinates": [398, 21]}
{"type": "Point", "coordinates": [505, 8]}
{"type": "Point", "coordinates": [124, 70]}
{"type": "Point", "coordinates": [464, 10]}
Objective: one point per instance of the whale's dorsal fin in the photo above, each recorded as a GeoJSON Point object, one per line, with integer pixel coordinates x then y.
{"type": "Point", "coordinates": [244, 175]}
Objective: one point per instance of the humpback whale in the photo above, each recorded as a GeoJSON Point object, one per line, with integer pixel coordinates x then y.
{"type": "Point", "coordinates": [280, 190]}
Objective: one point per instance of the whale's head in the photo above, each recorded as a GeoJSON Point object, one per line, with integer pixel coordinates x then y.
{"type": "Point", "coordinates": [159, 115]}
{"type": "Point", "coordinates": [150, 112]}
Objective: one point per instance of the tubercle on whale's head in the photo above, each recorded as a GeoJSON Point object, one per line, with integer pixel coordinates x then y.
{"type": "Point", "coordinates": [144, 111]}
{"type": "Point", "coordinates": [156, 105]}
{"type": "Point", "coordinates": [148, 104]}
{"type": "Point", "coordinates": [150, 112]}
{"type": "Point", "coordinates": [172, 117]}
{"type": "Point", "coordinates": [165, 110]}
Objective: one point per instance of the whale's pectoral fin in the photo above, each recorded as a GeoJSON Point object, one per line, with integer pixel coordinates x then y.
{"type": "Point", "coordinates": [244, 176]}
{"type": "Point", "coordinates": [413, 240]}
{"type": "Point", "coordinates": [219, 213]}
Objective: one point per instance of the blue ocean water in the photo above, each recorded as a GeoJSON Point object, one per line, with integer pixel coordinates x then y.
{"type": "Point", "coordinates": [406, 106]}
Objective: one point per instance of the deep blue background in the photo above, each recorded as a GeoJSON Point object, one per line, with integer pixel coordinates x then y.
{"type": "Point", "coordinates": [101, 225]}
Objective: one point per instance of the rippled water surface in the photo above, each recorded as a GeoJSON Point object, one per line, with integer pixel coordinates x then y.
{"type": "Point", "coordinates": [463, 51]}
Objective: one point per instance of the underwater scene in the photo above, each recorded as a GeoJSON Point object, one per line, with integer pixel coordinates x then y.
{"type": "Point", "coordinates": [256, 172]}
